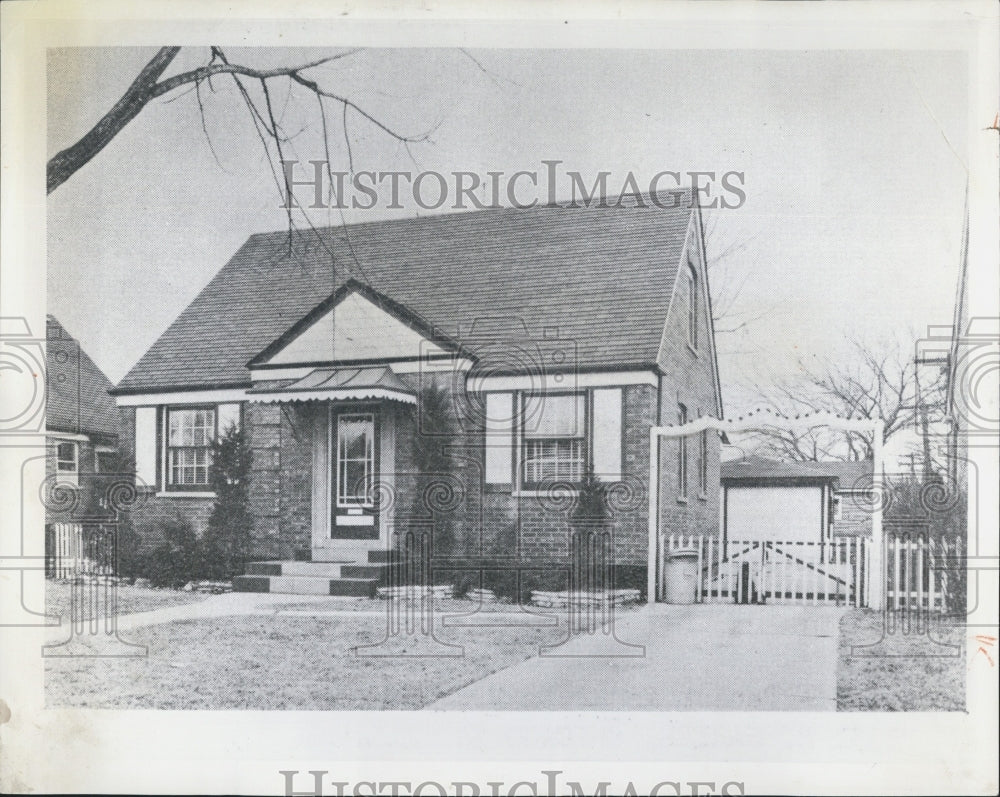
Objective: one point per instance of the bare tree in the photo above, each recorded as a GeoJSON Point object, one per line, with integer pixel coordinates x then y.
{"type": "Point", "coordinates": [151, 84]}
{"type": "Point", "coordinates": [870, 382]}
{"type": "Point", "coordinates": [727, 280]}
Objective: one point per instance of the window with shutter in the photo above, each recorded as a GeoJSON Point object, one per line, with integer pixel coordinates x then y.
{"type": "Point", "coordinates": [554, 438]}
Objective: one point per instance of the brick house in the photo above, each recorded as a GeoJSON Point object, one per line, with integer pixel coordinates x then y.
{"type": "Point", "coordinates": [82, 428]}
{"type": "Point", "coordinates": [559, 335]}
{"type": "Point", "coordinates": [764, 499]}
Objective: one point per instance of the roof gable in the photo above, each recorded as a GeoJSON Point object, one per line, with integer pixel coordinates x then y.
{"type": "Point", "coordinates": [77, 398]}
{"type": "Point", "coordinates": [354, 325]}
{"type": "Point", "coordinates": [849, 475]}
{"type": "Point", "coordinates": [600, 278]}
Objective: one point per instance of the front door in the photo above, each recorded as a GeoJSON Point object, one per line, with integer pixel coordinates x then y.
{"type": "Point", "coordinates": [355, 474]}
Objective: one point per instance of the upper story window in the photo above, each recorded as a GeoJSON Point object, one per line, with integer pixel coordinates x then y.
{"type": "Point", "coordinates": [190, 432]}
{"type": "Point", "coordinates": [692, 306]}
{"type": "Point", "coordinates": [682, 454]}
{"type": "Point", "coordinates": [555, 429]}
{"type": "Point", "coordinates": [68, 463]}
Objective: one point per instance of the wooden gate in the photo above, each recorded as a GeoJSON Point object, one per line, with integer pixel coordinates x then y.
{"type": "Point", "coordinates": [768, 571]}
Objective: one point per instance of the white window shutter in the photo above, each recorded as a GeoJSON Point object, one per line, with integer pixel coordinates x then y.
{"type": "Point", "coordinates": [499, 424]}
{"type": "Point", "coordinates": [608, 434]}
{"type": "Point", "coordinates": [228, 414]}
{"type": "Point", "coordinates": [145, 445]}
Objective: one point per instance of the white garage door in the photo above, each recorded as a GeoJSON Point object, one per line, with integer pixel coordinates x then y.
{"type": "Point", "coordinates": [785, 514]}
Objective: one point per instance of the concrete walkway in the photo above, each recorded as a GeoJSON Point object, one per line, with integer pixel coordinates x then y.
{"type": "Point", "coordinates": [696, 658]}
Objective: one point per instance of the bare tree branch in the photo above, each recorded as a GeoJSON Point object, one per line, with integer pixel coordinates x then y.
{"type": "Point", "coordinates": [66, 163]}
{"type": "Point", "coordinates": [871, 383]}
{"type": "Point", "coordinates": [149, 86]}
{"type": "Point", "coordinates": [227, 68]}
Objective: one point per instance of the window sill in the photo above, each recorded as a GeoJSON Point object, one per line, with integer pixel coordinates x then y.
{"type": "Point", "coordinates": [182, 494]}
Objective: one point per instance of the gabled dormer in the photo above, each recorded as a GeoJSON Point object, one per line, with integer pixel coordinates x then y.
{"type": "Point", "coordinates": [356, 325]}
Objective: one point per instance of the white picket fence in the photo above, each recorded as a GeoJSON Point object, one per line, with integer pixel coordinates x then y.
{"type": "Point", "coordinates": [918, 572]}
{"type": "Point", "coordinates": [768, 571]}
{"type": "Point", "coordinates": [73, 550]}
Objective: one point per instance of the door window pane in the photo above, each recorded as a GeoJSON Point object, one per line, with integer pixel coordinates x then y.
{"type": "Point", "coordinates": [355, 459]}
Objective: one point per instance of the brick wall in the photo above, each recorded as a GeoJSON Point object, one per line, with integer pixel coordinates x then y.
{"type": "Point", "coordinates": [151, 511]}
{"type": "Point", "coordinates": [540, 524]}
{"type": "Point", "coordinates": [281, 477]}
{"type": "Point", "coordinates": [688, 379]}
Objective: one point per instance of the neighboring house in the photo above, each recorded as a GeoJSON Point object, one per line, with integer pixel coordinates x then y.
{"type": "Point", "coordinates": [81, 426]}
{"type": "Point", "coordinates": [765, 499]}
{"type": "Point", "coordinates": [562, 335]}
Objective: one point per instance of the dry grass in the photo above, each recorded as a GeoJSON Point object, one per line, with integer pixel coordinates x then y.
{"type": "Point", "coordinates": [441, 606]}
{"type": "Point", "coordinates": [253, 662]}
{"type": "Point", "coordinates": [898, 671]}
{"type": "Point", "coordinates": [58, 595]}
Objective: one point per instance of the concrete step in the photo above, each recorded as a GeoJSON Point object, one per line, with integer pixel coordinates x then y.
{"type": "Point", "coordinates": [252, 583]}
{"type": "Point", "coordinates": [306, 585]}
{"type": "Point", "coordinates": [377, 572]}
{"type": "Point", "coordinates": [327, 569]}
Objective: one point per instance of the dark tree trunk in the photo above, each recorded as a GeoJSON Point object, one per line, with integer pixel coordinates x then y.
{"type": "Point", "coordinates": [64, 164]}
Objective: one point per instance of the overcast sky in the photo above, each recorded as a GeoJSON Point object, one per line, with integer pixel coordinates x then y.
{"type": "Point", "coordinates": [854, 163]}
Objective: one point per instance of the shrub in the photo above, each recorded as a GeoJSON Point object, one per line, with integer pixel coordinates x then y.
{"type": "Point", "coordinates": [131, 562]}
{"type": "Point", "coordinates": [176, 559]}
{"type": "Point", "coordinates": [463, 583]}
{"type": "Point", "coordinates": [936, 506]}
{"type": "Point", "coordinates": [591, 509]}
{"type": "Point", "coordinates": [435, 463]}
{"type": "Point", "coordinates": [226, 542]}
{"type": "Point", "coordinates": [505, 585]}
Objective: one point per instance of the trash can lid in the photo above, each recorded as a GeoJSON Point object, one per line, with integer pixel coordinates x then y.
{"type": "Point", "coordinates": [682, 553]}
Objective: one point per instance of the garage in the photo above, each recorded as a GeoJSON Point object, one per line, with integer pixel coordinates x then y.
{"type": "Point", "coordinates": [785, 514]}
{"type": "Point", "coordinates": [772, 501]}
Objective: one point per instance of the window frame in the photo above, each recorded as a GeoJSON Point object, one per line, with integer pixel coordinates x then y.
{"type": "Point", "coordinates": [682, 455]}
{"type": "Point", "coordinates": [583, 436]}
{"type": "Point", "coordinates": [371, 460]}
{"type": "Point", "coordinates": [71, 477]}
{"type": "Point", "coordinates": [692, 306]}
{"type": "Point", "coordinates": [168, 468]}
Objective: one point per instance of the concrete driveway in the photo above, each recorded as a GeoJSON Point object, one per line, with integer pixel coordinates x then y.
{"type": "Point", "coordinates": [697, 658]}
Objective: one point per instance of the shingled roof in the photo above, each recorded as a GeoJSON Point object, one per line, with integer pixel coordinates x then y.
{"type": "Point", "coordinates": [77, 399]}
{"type": "Point", "coordinates": [847, 474]}
{"type": "Point", "coordinates": [601, 277]}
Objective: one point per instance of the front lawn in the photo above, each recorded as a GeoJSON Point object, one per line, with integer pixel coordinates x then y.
{"type": "Point", "coordinates": [58, 595]}
{"type": "Point", "coordinates": [899, 671]}
{"type": "Point", "coordinates": [287, 662]}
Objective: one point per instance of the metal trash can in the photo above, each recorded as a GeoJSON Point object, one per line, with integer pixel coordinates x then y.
{"type": "Point", "coordinates": [680, 572]}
